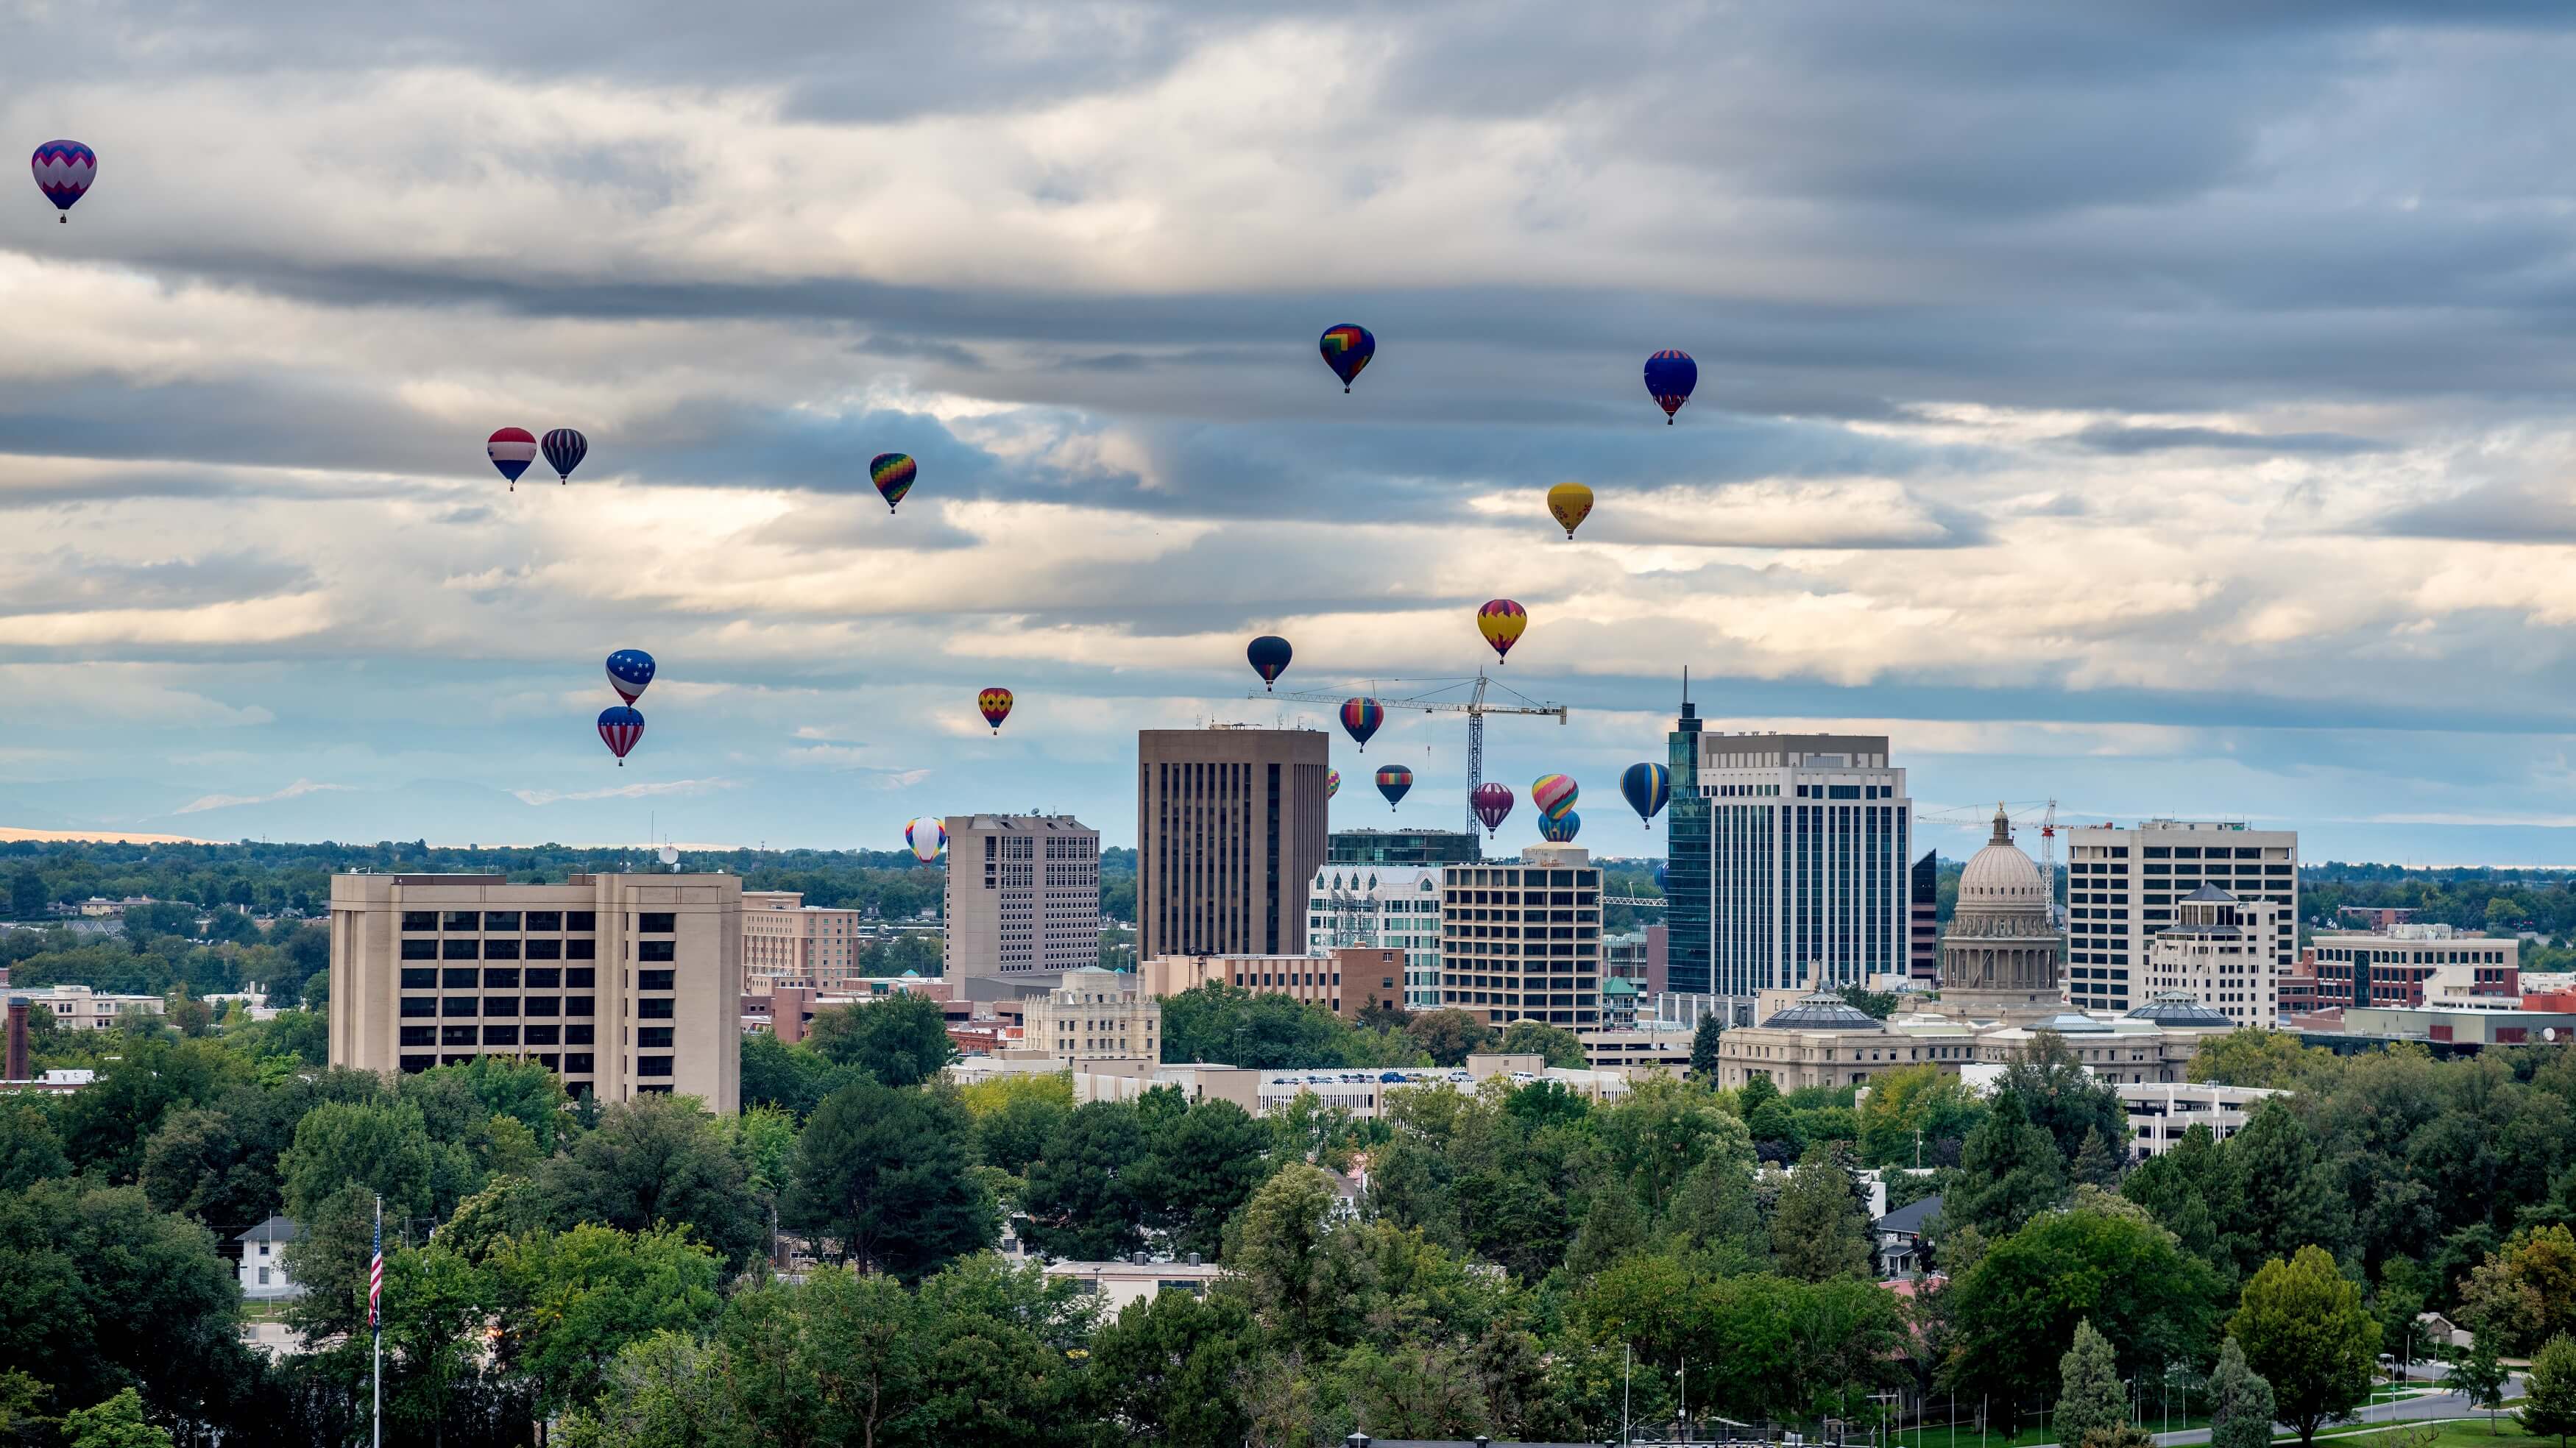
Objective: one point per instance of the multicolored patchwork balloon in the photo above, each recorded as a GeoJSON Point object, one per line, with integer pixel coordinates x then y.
{"type": "Point", "coordinates": [1670, 376]}
{"type": "Point", "coordinates": [1392, 781]}
{"type": "Point", "coordinates": [1502, 622]}
{"type": "Point", "coordinates": [995, 706]}
{"type": "Point", "coordinates": [511, 450]}
{"type": "Point", "coordinates": [893, 474]}
{"type": "Point", "coordinates": [1649, 787]}
{"type": "Point", "coordinates": [629, 671]}
{"type": "Point", "coordinates": [1554, 794]}
{"type": "Point", "coordinates": [1361, 717]}
{"type": "Point", "coordinates": [1347, 348]}
{"type": "Point", "coordinates": [927, 837]}
{"type": "Point", "coordinates": [1332, 783]}
{"type": "Point", "coordinates": [564, 449]}
{"type": "Point", "coordinates": [619, 728]}
{"type": "Point", "coordinates": [64, 171]}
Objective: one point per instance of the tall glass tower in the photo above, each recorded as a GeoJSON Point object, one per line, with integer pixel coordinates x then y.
{"type": "Point", "coordinates": [1686, 862]}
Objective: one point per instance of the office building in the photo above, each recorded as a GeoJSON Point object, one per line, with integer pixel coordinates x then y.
{"type": "Point", "coordinates": [625, 985]}
{"type": "Point", "coordinates": [79, 1008]}
{"type": "Point", "coordinates": [2219, 953]}
{"type": "Point", "coordinates": [1803, 868]}
{"type": "Point", "coordinates": [1923, 939]}
{"type": "Point", "coordinates": [1403, 847]}
{"type": "Point", "coordinates": [2123, 885]}
{"type": "Point", "coordinates": [1023, 894]}
{"type": "Point", "coordinates": [1229, 832]}
{"type": "Point", "coordinates": [2415, 965]}
{"type": "Point", "coordinates": [788, 942]}
{"type": "Point", "coordinates": [1687, 906]}
{"type": "Point", "coordinates": [1344, 981]}
{"type": "Point", "coordinates": [1381, 907]}
{"type": "Point", "coordinates": [1523, 941]}
{"type": "Point", "coordinates": [1094, 1015]}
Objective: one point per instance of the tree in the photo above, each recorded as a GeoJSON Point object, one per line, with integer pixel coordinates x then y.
{"type": "Point", "coordinates": [1554, 1044]}
{"type": "Point", "coordinates": [1201, 1169]}
{"type": "Point", "coordinates": [2091, 1398]}
{"type": "Point", "coordinates": [116, 1423]}
{"type": "Point", "coordinates": [27, 897]}
{"type": "Point", "coordinates": [1276, 1246]}
{"type": "Point", "coordinates": [889, 1176]}
{"type": "Point", "coordinates": [2009, 1171]}
{"type": "Point", "coordinates": [2478, 1375]}
{"type": "Point", "coordinates": [658, 1161]}
{"type": "Point", "coordinates": [2062, 1098]}
{"type": "Point", "coordinates": [2549, 1391]}
{"type": "Point", "coordinates": [2240, 1402]}
{"type": "Point", "coordinates": [2525, 1293]}
{"type": "Point", "coordinates": [1451, 1035]}
{"type": "Point", "coordinates": [2303, 1327]}
{"type": "Point", "coordinates": [2017, 1307]}
{"type": "Point", "coordinates": [1165, 1371]}
{"type": "Point", "coordinates": [30, 1152]}
{"type": "Point", "coordinates": [2252, 1056]}
{"type": "Point", "coordinates": [1082, 1200]}
{"type": "Point", "coordinates": [2094, 1163]}
{"type": "Point", "coordinates": [572, 1300]}
{"type": "Point", "coordinates": [1704, 1044]}
{"type": "Point", "coordinates": [901, 1040]}
{"type": "Point", "coordinates": [1819, 1232]}
{"type": "Point", "coordinates": [777, 1074]}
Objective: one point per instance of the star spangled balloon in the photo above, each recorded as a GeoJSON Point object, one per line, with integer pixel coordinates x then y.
{"type": "Point", "coordinates": [511, 450]}
{"type": "Point", "coordinates": [564, 450]}
{"type": "Point", "coordinates": [619, 728]}
{"type": "Point", "coordinates": [64, 171]}
{"type": "Point", "coordinates": [629, 671]}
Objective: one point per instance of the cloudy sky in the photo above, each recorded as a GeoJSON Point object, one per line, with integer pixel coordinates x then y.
{"type": "Point", "coordinates": [2161, 407]}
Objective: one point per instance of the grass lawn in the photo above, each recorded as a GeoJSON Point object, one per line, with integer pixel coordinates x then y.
{"type": "Point", "coordinates": [1940, 1435]}
{"type": "Point", "coordinates": [2453, 1435]}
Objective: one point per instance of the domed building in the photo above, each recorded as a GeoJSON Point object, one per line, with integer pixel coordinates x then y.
{"type": "Point", "coordinates": [2002, 957]}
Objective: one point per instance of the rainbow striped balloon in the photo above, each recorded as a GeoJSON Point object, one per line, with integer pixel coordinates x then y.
{"type": "Point", "coordinates": [1554, 794]}
{"type": "Point", "coordinates": [893, 474]}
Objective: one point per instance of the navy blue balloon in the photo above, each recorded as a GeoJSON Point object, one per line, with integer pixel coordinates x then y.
{"type": "Point", "coordinates": [1269, 655]}
{"type": "Point", "coordinates": [564, 449]}
{"type": "Point", "coordinates": [1670, 376]}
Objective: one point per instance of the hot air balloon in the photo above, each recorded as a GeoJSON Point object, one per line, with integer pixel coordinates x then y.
{"type": "Point", "coordinates": [1269, 655]}
{"type": "Point", "coordinates": [1392, 781]}
{"type": "Point", "coordinates": [1670, 376]}
{"type": "Point", "coordinates": [893, 474]}
{"type": "Point", "coordinates": [629, 670]}
{"type": "Point", "coordinates": [1348, 348]}
{"type": "Point", "coordinates": [619, 727]}
{"type": "Point", "coordinates": [927, 837]}
{"type": "Point", "coordinates": [1501, 622]}
{"type": "Point", "coordinates": [564, 450]}
{"type": "Point", "coordinates": [1571, 503]}
{"type": "Point", "coordinates": [511, 450]}
{"type": "Point", "coordinates": [64, 170]}
{"type": "Point", "coordinates": [995, 704]}
{"type": "Point", "coordinates": [1560, 829]}
{"type": "Point", "coordinates": [1648, 788]}
{"type": "Point", "coordinates": [1493, 805]}
{"type": "Point", "coordinates": [1554, 794]}
{"type": "Point", "coordinates": [1361, 717]}
{"type": "Point", "coordinates": [1332, 783]}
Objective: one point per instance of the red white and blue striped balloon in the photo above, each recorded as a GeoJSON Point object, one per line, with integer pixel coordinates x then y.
{"type": "Point", "coordinates": [511, 450]}
{"type": "Point", "coordinates": [64, 171]}
{"type": "Point", "coordinates": [619, 728]}
{"type": "Point", "coordinates": [565, 449]}
{"type": "Point", "coordinates": [629, 672]}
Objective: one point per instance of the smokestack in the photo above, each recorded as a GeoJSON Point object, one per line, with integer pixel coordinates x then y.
{"type": "Point", "coordinates": [17, 1039]}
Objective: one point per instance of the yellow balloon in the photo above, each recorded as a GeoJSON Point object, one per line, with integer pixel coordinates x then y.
{"type": "Point", "coordinates": [1571, 503]}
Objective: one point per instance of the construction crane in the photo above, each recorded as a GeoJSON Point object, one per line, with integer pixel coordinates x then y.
{"type": "Point", "coordinates": [2019, 812]}
{"type": "Point", "coordinates": [1474, 706]}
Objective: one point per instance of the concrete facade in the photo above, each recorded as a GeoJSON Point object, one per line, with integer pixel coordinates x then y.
{"type": "Point", "coordinates": [2124, 885]}
{"type": "Point", "coordinates": [2413, 965]}
{"type": "Point", "coordinates": [1230, 829]}
{"type": "Point", "coordinates": [624, 985]}
{"type": "Point", "coordinates": [1094, 1015]}
{"type": "Point", "coordinates": [2221, 952]}
{"type": "Point", "coordinates": [788, 942]}
{"type": "Point", "coordinates": [1343, 981]}
{"type": "Point", "coordinates": [1382, 907]}
{"type": "Point", "coordinates": [1523, 941]}
{"type": "Point", "coordinates": [1023, 894]}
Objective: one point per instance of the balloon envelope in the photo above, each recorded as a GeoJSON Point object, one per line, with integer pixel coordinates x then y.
{"type": "Point", "coordinates": [619, 728]}
{"type": "Point", "coordinates": [1392, 781]}
{"type": "Point", "coordinates": [1492, 803]}
{"type": "Point", "coordinates": [927, 837]}
{"type": "Point", "coordinates": [1554, 794]}
{"type": "Point", "coordinates": [564, 449]}
{"type": "Point", "coordinates": [1332, 783]}
{"type": "Point", "coordinates": [1347, 348]}
{"type": "Point", "coordinates": [629, 671]}
{"type": "Point", "coordinates": [1670, 376]}
{"type": "Point", "coordinates": [995, 706]}
{"type": "Point", "coordinates": [1560, 829]}
{"type": "Point", "coordinates": [1501, 621]}
{"type": "Point", "coordinates": [511, 450]}
{"type": "Point", "coordinates": [1269, 656]}
{"type": "Point", "coordinates": [1648, 787]}
{"type": "Point", "coordinates": [64, 171]}
{"type": "Point", "coordinates": [1362, 717]}
{"type": "Point", "coordinates": [1571, 503]}
{"type": "Point", "coordinates": [893, 474]}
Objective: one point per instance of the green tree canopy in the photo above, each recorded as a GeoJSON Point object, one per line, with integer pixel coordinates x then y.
{"type": "Point", "coordinates": [2303, 1327]}
{"type": "Point", "coordinates": [2240, 1402]}
{"type": "Point", "coordinates": [888, 1177]}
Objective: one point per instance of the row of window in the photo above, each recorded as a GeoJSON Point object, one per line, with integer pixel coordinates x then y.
{"type": "Point", "coordinates": [466, 977]}
{"type": "Point", "coordinates": [500, 1035]}
{"type": "Point", "coordinates": [536, 920]}
{"type": "Point", "coordinates": [469, 948]}
{"type": "Point", "coordinates": [463, 1007]}
{"type": "Point", "coordinates": [576, 1063]}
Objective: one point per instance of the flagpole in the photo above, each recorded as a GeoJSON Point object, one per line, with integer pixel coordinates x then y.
{"type": "Point", "coordinates": [376, 1320]}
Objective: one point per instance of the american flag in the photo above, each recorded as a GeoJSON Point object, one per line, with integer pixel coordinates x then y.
{"type": "Point", "coordinates": [376, 1279]}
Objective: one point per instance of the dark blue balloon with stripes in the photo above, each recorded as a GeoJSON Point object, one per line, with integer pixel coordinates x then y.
{"type": "Point", "coordinates": [564, 450]}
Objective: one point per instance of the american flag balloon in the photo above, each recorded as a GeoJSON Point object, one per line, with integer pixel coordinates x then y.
{"type": "Point", "coordinates": [565, 449]}
{"type": "Point", "coordinates": [619, 728]}
{"type": "Point", "coordinates": [511, 450]}
{"type": "Point", "coordinates": [64, 171]}
{"type": "Point", "coordinates": [629, 670]}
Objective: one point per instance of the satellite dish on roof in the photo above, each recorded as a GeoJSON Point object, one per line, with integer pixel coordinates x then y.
{"type": "Point", "coordinates": [671, 856]}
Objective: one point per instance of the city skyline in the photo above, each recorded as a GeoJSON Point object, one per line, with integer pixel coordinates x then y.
{"type": "Point", "coordinates": [2210, 467]}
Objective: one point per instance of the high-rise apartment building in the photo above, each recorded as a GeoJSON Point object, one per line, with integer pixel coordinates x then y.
{"type": "Point", "coordinates": [1403, 847]}
{"type": "Point", "coordinates": [624, 985]}
{"type": "Point", "coordinates": [1686, 863]}
{"type": "Point", "coordinates": [1229, 831]}
{"type": "Point", "coordinates": [2124, 885]}
{"type": "Point", "coordinates": [788, 942]}
{"type": "Point", "coordinates": [1800, 880]}
{"type": "Point", "coordinates": [1381, 907]}
{"type": "Point", "coordinates": [1523, 941]}
{"type": "Point", "coordinates": [1023, 895]}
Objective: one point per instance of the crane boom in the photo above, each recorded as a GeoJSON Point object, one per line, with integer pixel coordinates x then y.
{"type": "Point", "coordinates": [1474, 706]}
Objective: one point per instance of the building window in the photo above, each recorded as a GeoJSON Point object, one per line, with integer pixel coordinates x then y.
{"type": "Point", "coordinates": [422, 978]}
{"type": "Point", "coordinates": [578, 1035]}
{"type": "Point", "coordinates": [461, 977]}
{"type": "Point", "coordinates": [580, 977]}
{"type": "Point", "coordinates": [500, 950]}
{"type": "Point", "coordinates": [503, 978]}
{"type": "Point", "coordinates": [462, 920]}
{"type": "Point", "coordinates": [577, 1063]}
{"type": "Point", "coordinates": [500, 1035]}
{"type": "Point", "coordinates": [656, 922]}
{"type": "Point", "coordinates": [582, 1005]}
{"type": "Point", "coordinates": [420, 950]}
{"type": "Point", "coordinates": [459, 949]}
{"type": "Point", "coordinates": [652, 1065]}
{"type": "Point", "coordinates": [654, 1010]}
{"type": "Point", "coordinates": [420, 1005]}
{"type": "Point", "coordinates": [420, 920]}
{"type": "Point", "coordinates": [544, 920]}
{"type": "Point", "coordinates": [653, 1038]}
{"type": "Point", "coordinates": [580, 920]}
{"type": "Point", "coordinates": [581, 950]}
{"type": "Point", "coordinates": [459, 1006]}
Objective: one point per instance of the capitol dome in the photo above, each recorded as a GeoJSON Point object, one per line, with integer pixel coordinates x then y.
{"type": "Point", "coordinates": [2000, 876]}
{"type": "Point", "coordinates": [2001, 953]}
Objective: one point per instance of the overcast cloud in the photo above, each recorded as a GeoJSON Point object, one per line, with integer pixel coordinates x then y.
{"type": "Point", "coordinates": [2161, 407]}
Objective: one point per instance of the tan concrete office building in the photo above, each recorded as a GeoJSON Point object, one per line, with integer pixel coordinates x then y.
{"type": "Point", "coordinates": [2124, 886]}
{"type": "Point", "coordinates": [1023, 895]}
{"type": "Point", "coordinates": [1094, 1015]}
{"type": "Point", "coordinates": [788, 942]}
{"type": "Point", "coordinates": [1523, 942]}
{"type": "Point", "coordinates": [1230, 830]}
{"type": "Point", "coordinates": [2222, 954]}
{"type": "Point", "coordinates": [1344, 982]}
{"type": "Point", "coordinates": [625, 985]}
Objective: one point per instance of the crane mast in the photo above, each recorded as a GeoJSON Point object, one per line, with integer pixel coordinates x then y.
{"type": "Point", "coordinates": [1474, 706]}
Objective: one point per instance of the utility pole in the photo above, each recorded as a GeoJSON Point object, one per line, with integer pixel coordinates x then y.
{"type": "Point", "coordinates": [1627, 1365]}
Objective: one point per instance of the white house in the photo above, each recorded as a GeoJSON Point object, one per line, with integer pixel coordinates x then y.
{"type": "Point", "coordinates": [263, 1261]}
